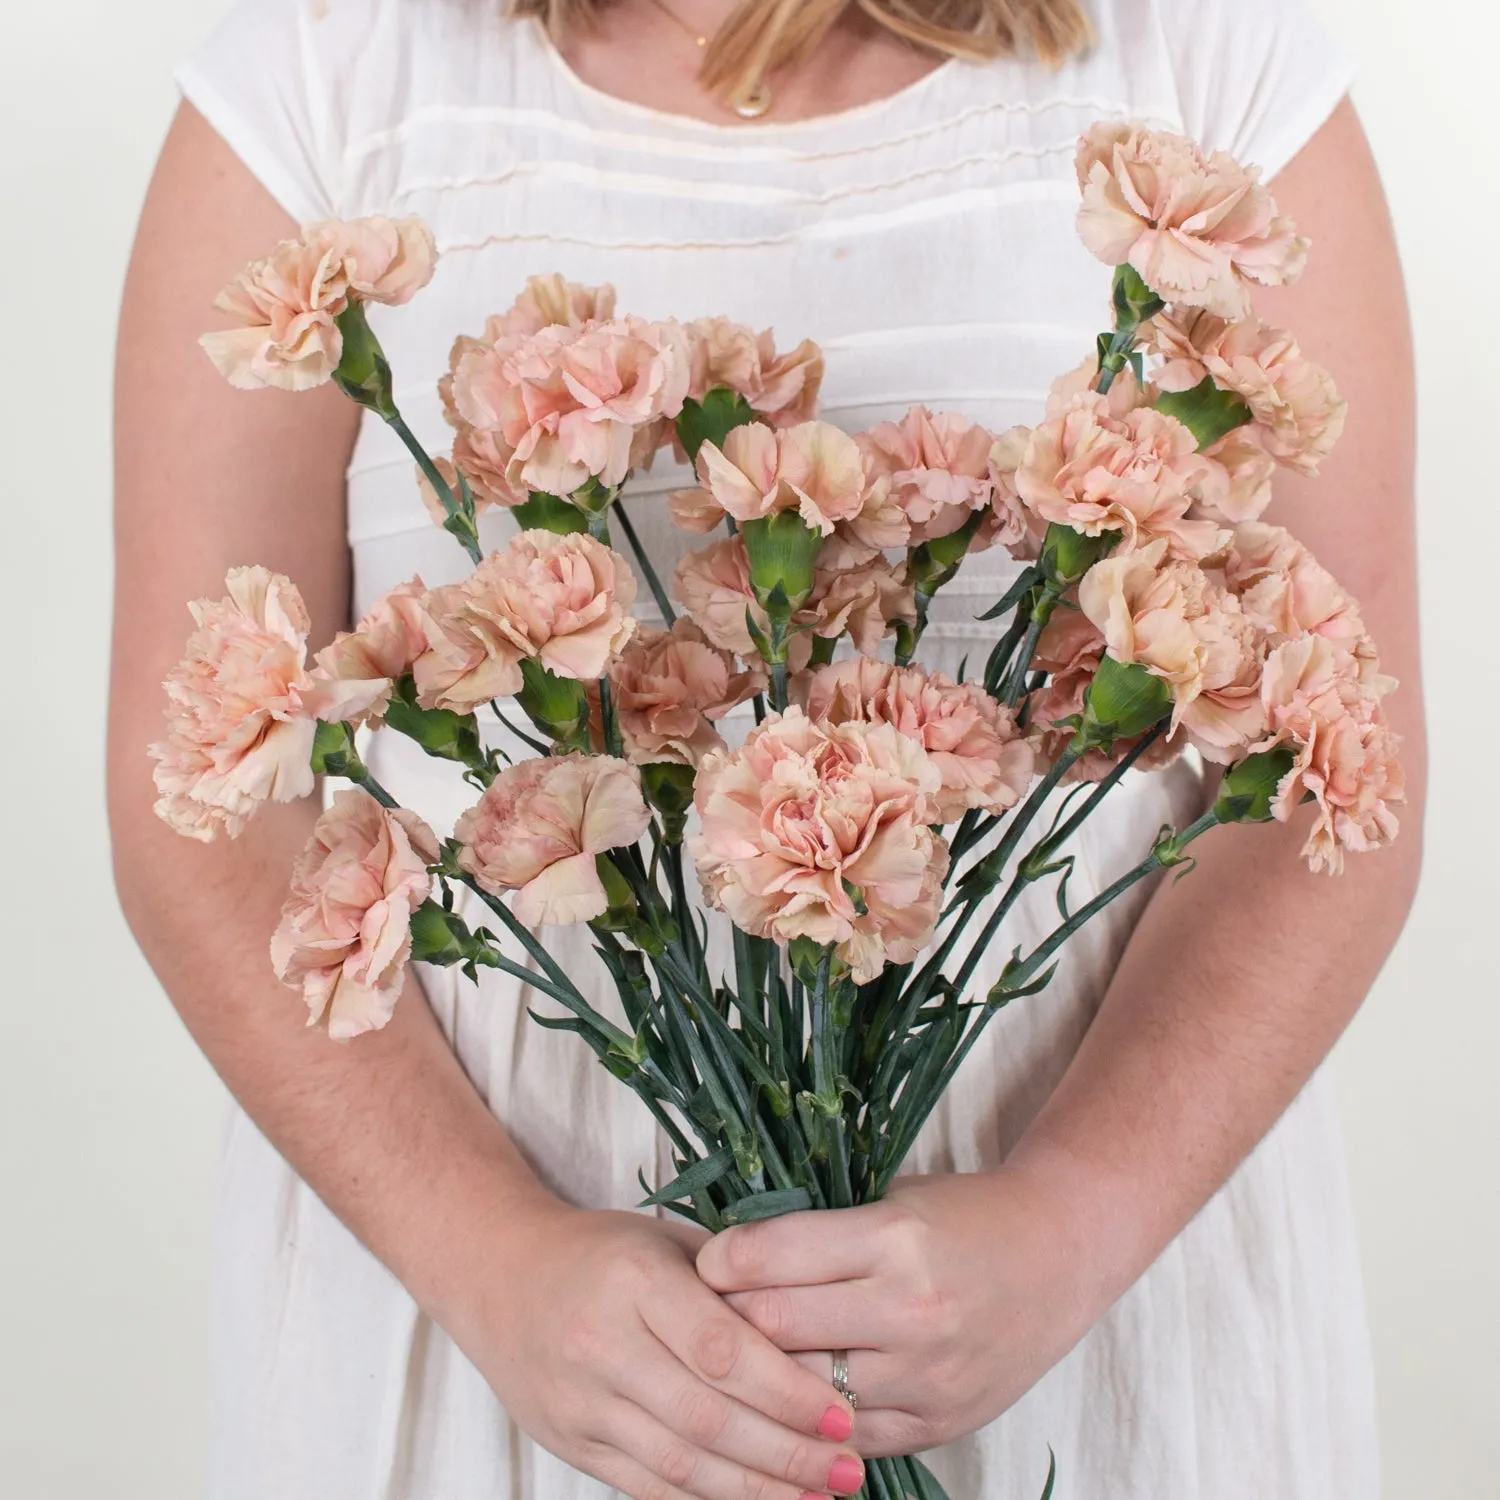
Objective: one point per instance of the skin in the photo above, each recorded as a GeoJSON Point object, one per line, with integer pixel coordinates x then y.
{"type": "Point", "coordinates": [955, 1294]}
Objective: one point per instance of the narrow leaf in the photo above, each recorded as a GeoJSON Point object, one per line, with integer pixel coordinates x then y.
{"type": "Point", "coordinates": [768, 1206]}
{"type": "Point", "coordinates": [692, 1180]}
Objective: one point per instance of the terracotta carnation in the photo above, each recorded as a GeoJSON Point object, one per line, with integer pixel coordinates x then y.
{"type": "Point", "coordinates": [239, 723]}
{"type": "Point", "coordinates": [1195, 225]}
{"type": "Point", "coordinates": [670, 687]}
{"type": "Point", "coordinates": [563, 600]}
{"type": "Point", "coordinates": [823, 832]}
{"type": "Point", "coordinates": [345, 931]}
{"type": "Point", "coordinates": [981, 757]}
{"type": "Point", "coordinates": [539, 828]}
{"type": "Point", "coordinates": [286, 304]}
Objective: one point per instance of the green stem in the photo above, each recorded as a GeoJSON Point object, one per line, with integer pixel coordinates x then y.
{"type": "Point", "coordinates": [658, 593]}
{"type": "Point", "coordinates": [461, 522]}
{"type": "Point", "coordinates": [612, 745]}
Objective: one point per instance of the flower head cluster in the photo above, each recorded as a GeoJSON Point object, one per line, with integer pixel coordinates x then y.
{"type": "Point", "coordinates": [562, 600]}
{"type": "Point", "coordinates": [355, 675]}
{"type": "Point", "coordinates": [932, 470]}
{"type": "Point", "coordinates": [781, 388]}
{"type": "Point", "coordinates": [1196, 226]}
{"type": "Point", "coordinates": [286, 306]}
{"type": "Point", "coordinates": [240, 722]}
{"type": "Point", "coordinates": [540, 827]}
{"type": "Point", "coordinates": [345, 931]}
{"type": "Point", "coordinates": [980, 754]}
{"type": "Point", "coordinates": [823, 831]}
{"type": "Point", "coordinates": [671, 687]}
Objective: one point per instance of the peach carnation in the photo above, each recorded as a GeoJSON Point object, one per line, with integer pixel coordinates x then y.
{"type": "Point", "coordinates": [822, 831]}
{"type": "Point", "coordinates": [938, 467]}
{"type": "Point", "coordinates": [863, 602]}
{"type": "Point", "coordinates": [812, 468]}
{"type": "Point", "coordinates": [286, 305]}
{"type": "Point", "coordinates": [1346, 756]}
{"type": "Point", "coordinates": [1298, 414]}
{"type": "Point", "coordinates": [345, 931]}
{"type": "Point", "coordinates": [564, 600]}
{"type": "Point", "coordinates": [356, 673]}
{"type": "Point", "coordinates": [1285, 590]}
{"type": "Point", "coordinates": [239, 724]}
{"type": "Point", "coordinates": [781, 388]}
{"type": "Point", "coordinates": [539, 828]}
{"type": "Point", "coordinates": [547, 301]}
{"type": "Point", "coordinates": [971, 739]}
{"type": "Point", "coordinates": [567, 404]}
{"type": "Point", "coordinates": [1195, 226]}
{"type": "Point", "coordinates": [1097, 469]}
{"type": "Point", "coordinates": [670, 686]}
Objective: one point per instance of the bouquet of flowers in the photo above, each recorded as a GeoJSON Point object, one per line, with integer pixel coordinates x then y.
{"type": "Point", "coordinates": [868, 837]}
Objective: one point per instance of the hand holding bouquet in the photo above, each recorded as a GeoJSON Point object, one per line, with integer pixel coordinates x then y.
{"type": "Point", "coordinates": [870, 835]}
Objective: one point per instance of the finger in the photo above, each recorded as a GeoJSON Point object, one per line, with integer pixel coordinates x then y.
{"type": "Point", "coordinates": [707, 1419]}
{"type": "Point", "coordinates": [621, 1472]}
{"type": "Point", "coordinates": [843, 1315]}
{"type": "Point", "coordinates": [804, 1249]}
{"type": "Point", "coordinates": [725, 1352]}
{"type": "Point", "coordinates": [880, 1381]}
{"type": "Point", "coordinates": [693, 1470]}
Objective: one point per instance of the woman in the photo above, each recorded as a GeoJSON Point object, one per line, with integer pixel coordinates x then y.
{"type": "Point", "coordinates": [426, 1287]}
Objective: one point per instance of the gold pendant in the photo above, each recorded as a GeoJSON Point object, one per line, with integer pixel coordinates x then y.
{"type": "Point", "coordinates": [754, 104]}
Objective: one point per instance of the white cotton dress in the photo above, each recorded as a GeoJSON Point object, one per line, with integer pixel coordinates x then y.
{"type": "Point", "coordinates": [926, 242]}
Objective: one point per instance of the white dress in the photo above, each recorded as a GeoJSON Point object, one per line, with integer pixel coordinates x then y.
{"type": "Point", "coordinates": [926, 242]}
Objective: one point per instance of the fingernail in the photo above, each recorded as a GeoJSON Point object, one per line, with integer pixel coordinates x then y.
{"type": "Point", "coordinates": [837, 1424]}
{"type": "Point", "coordinates": [846, 1475]}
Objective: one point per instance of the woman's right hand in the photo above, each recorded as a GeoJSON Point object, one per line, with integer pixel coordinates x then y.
{"type": "Point", "coordinates": [596, 1334]}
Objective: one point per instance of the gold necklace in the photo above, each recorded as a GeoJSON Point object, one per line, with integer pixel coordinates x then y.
{"type": "Point", "coordinates": [753, 104]}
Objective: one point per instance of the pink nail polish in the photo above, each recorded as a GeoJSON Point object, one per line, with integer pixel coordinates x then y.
{"type": "Point", "coordinates": [846, 1475]}
{"type": "Point", "coordinates": [837, 1424]}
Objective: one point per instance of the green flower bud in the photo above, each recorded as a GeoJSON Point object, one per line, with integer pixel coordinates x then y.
{"type": "Point", "coordinates": [1067, 554]}
{"type": "Point", "coordinates": [333, 752]}
{"type": "Point", "coordinates": [552, 513]}
{"type": "Point", "coordinates": [441, 937]}
{"type": "Point", "coordinates": [931, 565]}
{"type": "Point", "coordinates": [363, 374]}
{"type": "Point", "coordinates": [439, 731]}
{"type": "Point", "coordinates": [1247, 789]}
{"type": "Point", "coordinates": [669, 789]}
{"type": "Point", "coordinates": [1123, 700]}
{"type": "Point", "coordinates": [558, 706]}
{"type": "Point", "coordinates": [782, 549]}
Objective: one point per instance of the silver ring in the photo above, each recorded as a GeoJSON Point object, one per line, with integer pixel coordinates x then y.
{"type": "Point", "coordinates": [841, 1377]}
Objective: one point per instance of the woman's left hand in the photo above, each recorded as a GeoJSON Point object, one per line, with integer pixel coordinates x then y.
{"type": "Point", "coordinates": [953, 1296]}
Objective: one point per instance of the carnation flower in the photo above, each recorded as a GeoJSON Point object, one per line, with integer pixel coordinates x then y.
{"type": "Point", "coordinates": [1286, 592]}
{"type": "Point", "coordinates": [1346, 756]}
{"type": "Point", "coordinates": [823, 832]}
{"type": "Point", "coordinates": [1298, 414]}
{"type": "Point", "coordinates": [713, 586]}
{"type": "Point", "coordinates": [539, 828]}
{"type": "Point", "coordinates": [356, 673]}
{"type": "Point", "coordinates": [1011, 523]}
{"type": "Point", "coordinates": [973, 741]}
{"type": "Point", "coordinates": [287, 304]}
{"type": "Point", "coordinates": [1195, 226]}
{"type": "Point", "coordinates": [239, 726]}
{"type": "Point", "coordinates": [345, 931]}
{"type": "Point", "coordinates": [547, 301]}
{"type": "Point", "coordinates": [863, 601]}
{"type": "Point", "coordinates": [812, 468]}
{"type": "Point", "coordinates": [938, 468]}
{"type": "Point", "coordinates": [1241, 489]}
{"type": "Point", "coordinates": [1097, 469]}
{"type": "Point", "coordinates": [670, 686]}
{"type": "Point", "coordinates": [781, 388]}
{"type": "Point", "coordinates": [566, 404]}
{"type": "Point", "coordinates": [563, 600]}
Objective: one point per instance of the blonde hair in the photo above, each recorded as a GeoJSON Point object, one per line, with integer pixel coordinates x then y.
{"type": "Point", "coordinates": [761, 36]}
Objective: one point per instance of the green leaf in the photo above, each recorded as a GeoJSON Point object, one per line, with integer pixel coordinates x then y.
{"type": "Point", "coordinates": [1206, 411]}
{"type": "Point", "coordinates": [927, 1486]}
{"type": "Point", "coordinates": [1026, 580]}
{"type": "Point", "coordinates": [552, 513]}
{"type": "Point", "coordinates": [692, 1180]}
{"type": "Point", "coordinates": [768, 1206]}
{"type": "Point", "coordinates": [1051, 1473]}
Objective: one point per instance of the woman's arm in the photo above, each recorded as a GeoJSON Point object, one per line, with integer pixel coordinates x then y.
{"type": "Point", "coordinates": [592, 1327]}
{"type": "Point", "coordinates": [1233, 988]}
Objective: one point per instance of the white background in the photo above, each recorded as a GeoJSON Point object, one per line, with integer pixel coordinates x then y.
{"type": "Point", "coordinates": [109, 1119]}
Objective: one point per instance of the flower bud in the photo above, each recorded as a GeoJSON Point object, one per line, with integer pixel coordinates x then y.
{"type": "Point", "coordinates": [439, 731]}
{"type": "Point", "coordinates": [931, 565]}
{"type": "Point", "coordinates": [1122, 701]}
{"type": "Point", "coordinates": [558, 706]}
{"type": "Point", "coordinates": [441, 937]}
{"type": "Point", "coordinates": [782, 549]}
{"type": "Point", "coordinates": [1067, 554]}
{"type": "Point", "coordinates": [1247, 789]}
{"type": "Point", "coordinates": [668, 787]}
{"type": "Point", "coordinates": [333, 752]}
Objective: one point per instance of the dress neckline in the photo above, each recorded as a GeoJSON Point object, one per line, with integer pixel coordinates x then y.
{"type": "Point", "coordinates": [725, 133]}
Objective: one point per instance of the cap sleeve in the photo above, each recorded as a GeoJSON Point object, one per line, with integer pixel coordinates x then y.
{"type": "Point", "coordinates": [268, 80]}
{"type": "Point", "coordinates": [1256, 78]}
